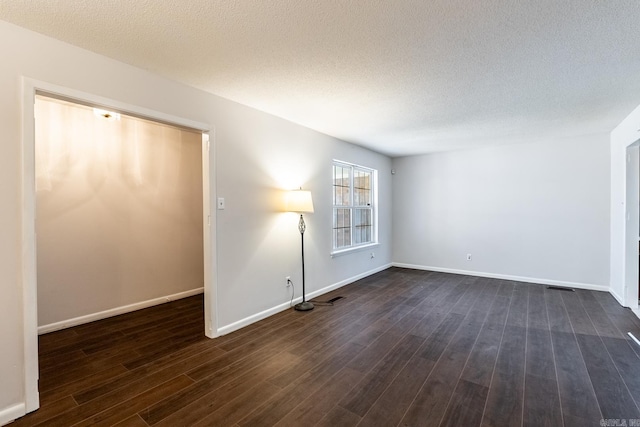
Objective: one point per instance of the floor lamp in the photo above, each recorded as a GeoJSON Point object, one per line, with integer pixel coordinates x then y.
{"type": "Point", "coordinates": [300, 201]}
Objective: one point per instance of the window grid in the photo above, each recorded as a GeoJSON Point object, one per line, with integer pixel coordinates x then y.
{"type": "Point", "coordinates": [353, 212]}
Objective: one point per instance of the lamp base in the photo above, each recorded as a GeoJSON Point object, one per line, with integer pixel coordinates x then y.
{"type": "Point", "coordinates": [304, 306]}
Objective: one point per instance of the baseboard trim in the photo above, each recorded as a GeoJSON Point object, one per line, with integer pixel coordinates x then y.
{"type": "Point", "coordinates": [524, 279]}
{"type": "Point", "coordinates": [616, 296]}
{"type": "Point", "coordinates": [12, 413]}
{"type": "Point", "coordinates": [115, 311]}
{"type": "Point", "coordinates": [286, 305]}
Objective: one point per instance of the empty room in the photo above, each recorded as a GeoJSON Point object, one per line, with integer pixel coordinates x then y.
{"type": "Point", "coordinates": [238, 213]}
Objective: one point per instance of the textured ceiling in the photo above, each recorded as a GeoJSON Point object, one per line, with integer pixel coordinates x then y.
{"type": "Point", "coordinates": [401, 77]}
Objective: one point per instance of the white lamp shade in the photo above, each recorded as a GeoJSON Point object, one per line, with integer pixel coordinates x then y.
{"type": "Point", "coordinates": [299, 201]}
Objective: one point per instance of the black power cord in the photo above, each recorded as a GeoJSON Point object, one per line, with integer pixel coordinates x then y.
{"type": "Point", "coordinates": [293, 292]}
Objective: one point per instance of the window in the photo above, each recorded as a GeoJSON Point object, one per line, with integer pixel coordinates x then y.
{"type": "Point", "coordinates": [353, 206]}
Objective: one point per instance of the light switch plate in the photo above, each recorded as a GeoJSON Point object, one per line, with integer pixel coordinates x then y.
{"type": "Point", "coordinates": [220, 203]}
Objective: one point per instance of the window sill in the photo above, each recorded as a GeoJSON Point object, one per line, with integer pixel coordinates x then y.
{"type": "Point", "coordinates": [353, 249]}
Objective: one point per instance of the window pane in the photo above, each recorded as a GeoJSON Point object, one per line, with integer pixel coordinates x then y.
{"type": "Point", "coordinates": [362, 217]}
{"type": "Point", "coordinates": [345, 196]}
{"type": "Point", "coordinates": [347, 236]}
{"type": "Point", "coordinates": [347, 218]}
{"type": "Point", "coordinates": [363, 225]}
{"type": "Point", "coordinates": [365, 197]}
{"type": "Point", "coordinates": [362, 179]}
{"type": "Point", "coordinates": [341, 185]}
{"type": "Point", "coordinates": [362, 187]}
{"type": "Point", "coordinates": [341, 227]}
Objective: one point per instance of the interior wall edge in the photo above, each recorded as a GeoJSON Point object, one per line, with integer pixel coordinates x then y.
{"type": "Point", "coordinates": [227, 329]}
{"type": "Point", "coordinates": [10, 414]}
{"type": "Point", "coordinates": [616, 296]}
{"type": "Point", "coordinates": [52, 327]}
{"type": "Point", "coordinates": [621, 251]}
{"type": "Point", "coordinates": [552, 282]}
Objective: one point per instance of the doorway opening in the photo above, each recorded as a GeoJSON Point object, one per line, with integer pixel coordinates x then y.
{"type": "Point", "coordinates": [105, 205]}
{"type": "Point", "coordinates": [118, 213]}
{"type": "Point", "coordinates": [632, 229]}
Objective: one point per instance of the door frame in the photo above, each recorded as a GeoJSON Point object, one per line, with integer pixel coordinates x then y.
{"type": "Point", "coordinates": [30, 88]}
{"type": "Point", "coordinates": [632, 225]}
{"type": "Point", "coordinates": [624, 219]}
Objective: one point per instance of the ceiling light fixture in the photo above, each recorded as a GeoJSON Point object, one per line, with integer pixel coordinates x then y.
{"type": "Point", "coordinates": [109, 115]}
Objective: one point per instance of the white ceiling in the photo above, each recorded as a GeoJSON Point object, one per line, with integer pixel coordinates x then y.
{"type": "Point", "coordinates": [401, 77]}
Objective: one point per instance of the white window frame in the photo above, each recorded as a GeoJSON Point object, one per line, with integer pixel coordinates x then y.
{"type": "Point", "coordinates": [374, 208]}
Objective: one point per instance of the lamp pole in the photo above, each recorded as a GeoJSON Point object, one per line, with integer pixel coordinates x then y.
{"type": "Point", "coordinates": [304, 305]}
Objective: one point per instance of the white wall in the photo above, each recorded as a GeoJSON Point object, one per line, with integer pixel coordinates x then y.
{"type": "Point", "coordinates": [623, 253]}
{"type": "Point", "coordinates": [119, 212]}
{"type": "Point", "coordinates": [631, 227]}
{"type": "Point", "coordinates": [535, 212]}
{"type": "Point", "coordinates": [258, 164]}
{"type": "Point", "coordinates": [258, 155]}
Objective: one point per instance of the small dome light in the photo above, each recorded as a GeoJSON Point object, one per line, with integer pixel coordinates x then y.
{"type": "Point", "coordinates": [109, 115]}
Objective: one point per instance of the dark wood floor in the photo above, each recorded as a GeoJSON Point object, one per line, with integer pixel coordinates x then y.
{"type": "Point", "coordinates": [403, 347]}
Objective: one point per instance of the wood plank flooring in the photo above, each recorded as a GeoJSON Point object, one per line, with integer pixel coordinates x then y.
{"type": "Point", "coordinates": [403, 347]}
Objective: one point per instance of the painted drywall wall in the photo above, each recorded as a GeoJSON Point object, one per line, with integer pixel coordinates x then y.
{"type": "Point", "coordinates": [257, 157]}
{"type": "Point", "coordinates": [119, 211]}
{"type": "Point", "coordinates": [632, 186]}
{"type": "Point", "coordinates": [536, 211]}
{"type": "Point", "coordinates": [622, 247]}
{"type": "Point", "coordinates": [260, 163]}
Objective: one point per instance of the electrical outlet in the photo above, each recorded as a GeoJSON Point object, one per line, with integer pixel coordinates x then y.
{"type": "Point", "coordinates": [468, 257]}
{"type": "Point", "coordinates": [373, 255]}
{"type": "Point", "coordinates": [288, 281]}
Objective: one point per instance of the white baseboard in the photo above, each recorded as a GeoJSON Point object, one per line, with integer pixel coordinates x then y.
{"type": "Point", "coordinates": [577, 285]}
{"type": "Point", "coordinates": [11, 413]}
{"type": "Point", "coordinates": [286, 305]}
{"type": "Point", "coordinates": [115, 311]}
{"type": "Point", "coordinates": [346, 282]}
{"type": "Point", "coordinates": [616, 296]}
